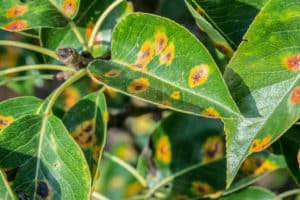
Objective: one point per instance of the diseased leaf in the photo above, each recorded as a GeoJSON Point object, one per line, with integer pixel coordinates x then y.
{"type": "Point", "coordinates": [44, 158]}
{"type": "Point", "coordinates": [290, 143]}
{"type": "Point", "coordinates": [159, 61]}
{"type": "Point", "coordinates": [5, 191]}
{"type": "Point", "coordinates": [68, 8]}
{"type": "Point", "coordinates": [86, 121]}
{"type": "Point", "coordinates": [12, 109]}
{"type": "Point", "coordinates": [17, 16]}
{"type": "Point", "coordinates": [263, 77]}
{"type": "Point", "coordinates": [251, 193]}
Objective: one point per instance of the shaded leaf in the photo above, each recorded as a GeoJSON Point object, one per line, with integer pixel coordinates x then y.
{"type": "Point", "coordinates": [68, 8]}
{"type": "Point", "coordinates": [251, 193]}
{"type": "Point", "coordinates": [6, 192]}
{"type": "Point", "coordinates": [86, 121]}
{"type": "Point", "coordinates": [157, 60]}
{"type": "Point", "coordinates": [263, 77]}
{"type": "Point", "coordinates": [45, 159]}
{"type": "Point", "coordinates": [174, 10]}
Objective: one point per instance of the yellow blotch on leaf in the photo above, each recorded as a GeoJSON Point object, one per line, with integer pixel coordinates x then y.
{"type": "Point", "coordinates": [211, 112]}
{"type": "Point", "coordinates": [267, 166]}
{"type": "Point", "coordinates": [160, 42]}
{"type": "Point", "coordinates": [175, 95]}
{"type": "Point", "coordinates": [213, 149]}
{"type": "Point", "coordinates": [163, 150]}
{"type": "Point", "coordinates": [116, 182]}
{"type": "Point", "coordinates": [198, 75]}
{"type": "Point", "coordinates": [139, 85]}
{"type": "Point", "coordinates": [5, 121]}
{"type": "Point", "coordinates": [69, 7]}
{"type": "Point", "coordinates": [168, 54]}
{"type": "Point", "coordinates": [15, 26]}
{"type": "Point", "coordinates": [260, 144]}
{"type": "Point", "coordinates": [16, 11]}
{"type": "Point", "coordinates": [84, 135]}
{"type": "Point", "coordinates": [133, 189]}
{"type": "Point", "coordinates": [251, 164]}
{"type": "Point", "coordinates": [144, 56]}
{"type": "Point", "coordinates": [112, 73]}
{"type": "Point", "coordinates": [105, 117]}
{"type": "Point", "coordinates": [71, 96]}
{"type": "Point", "coordinates": [201, 188]}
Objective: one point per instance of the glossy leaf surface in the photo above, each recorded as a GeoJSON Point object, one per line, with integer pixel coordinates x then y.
{"type": "Point", "coordinates": [86, 121]}
{"type": "Point", "coordinates": [263, 77]}
{"type": "Point", "coordinates": [44, 159]}
{"type": "Point", "coordinates": [157, 60]}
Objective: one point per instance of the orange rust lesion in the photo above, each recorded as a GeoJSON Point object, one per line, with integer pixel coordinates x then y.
{"type": "Point", "coordinates": [201, 188]}
{"type": "Point", "coordinates": [260, 144]}
{"type": "Point", "coordinates": [176, 95]}
{"type": "Point", "coordinates": [71, 96]}
{"type": "Point", "coordinates": [293, 62]}
{"type": "Point", "coordinates": [15, 26]}
{"type": "Point", "coordinates": [249, 165]}
{"type": "Point", "coordinates": [211, 112]}
{"type": "Point", "coordinates": [88, 33]}
{"type": "Point", "coordinates": [133, 189]}
{"type": "Point", "coordinates": [16, 11]}
{"type": "Point", "coordinates": [224, 48]}
{"type": "Point", "coordinates": [213, 149]}
{"type": "Point", "coordinates": [112, 73]}
{"type": "Point", "coordinates": [160, 42]}
{"type": "Point", "coordinates": [144, 56]}
{"type": "Point", "coordinates": [198, 75]}
{"type": "Point", "coordinates": [139, 85]}
{"type": "Point", "coordinates": [84, 135]}
{"type": "Point", "coordinates": [69, 7]}
{"type": "Point", "coordinates": [5, 121]}
{"type": "Point", "coordinates": [266, 166]}
{"type": "Point", "coordinates": [168, 54]}
{"type": "Point", "coordinates": [295, 96]}
{"type": "Point", "coordinates": [163, 150]}
{"type": "Point", "coordinates": [298, 158]}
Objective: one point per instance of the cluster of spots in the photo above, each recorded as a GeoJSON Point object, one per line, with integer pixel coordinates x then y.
{"type": "Point", "coordinates": [163, 150]}
{"type": "Point", "coordinates": [15, 26]}
{"type": "Point", "coordinates": [213, 149]}
{"type": "Point", "coordinates": [211, 112]}
{"type": "Point", "coordinates": [85, 134]}
{"type": "Point", "coordinates": [16, 11]}
{"type": "Point", "coordinates": [139, 85]}
{"type": "Point", "coordinates": [180, 197]}
{"type": "Point", "coordinates": [116, 182]}
{"type": "Point", "coordinates": [298, 158]}
{"type": "Point", "coordinates": [43, 190]}
{"type": "Point", "coordinates": [71, 96]}
{"type": "Point", "coordinates": [133, 189]}
{"type": "Point", "coordinates": [69, 7]}
{"type": "Point", "coordinates": [293, 63]}
{"type": "Point", "coordinates": [260, 144]}
{"type": "Point", "coordinates": [251, 164]}
{"type": "Point", "coordinates": [266, 166]}
{"type": "Point", "coordinates": [295, 97]}
{"type": "Point", "coordinates": [10, 174]}
{"type": "Point", "coordinates": [200, 188]}
{"type": "Point", "coordinates": [112, 73]}
{"type": "Point", "coordinates": [175, 95]}
{"type": "Point", "coordinates": [198, 75]}
{"type": "Point", "coordinates": [5, 121]}
{"type": "Point", "coordinates": [88, 33]}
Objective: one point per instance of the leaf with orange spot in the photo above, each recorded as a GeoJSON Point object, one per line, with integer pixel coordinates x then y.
{"type": "Point", "coordinates": [263, 79]}
{"type": "Point", "coordinates": [153, 48]}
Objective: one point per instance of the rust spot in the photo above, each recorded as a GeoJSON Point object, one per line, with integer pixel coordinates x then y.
{"type": "Point", "coordinates": [298, 158]}
{"type": "Point", "coordinates": [96, 153]}
{"type": "Point", "coordinates": [139, 85]}
{"type": "Point", "coordinates": [160, 42]}
{"type": "Point", "coordinates": [16, 26]}
{"type": "Point", "coordinates": [71, 97]}
{"type": "Point", "coordinates": [16, 11]}
{"type": "Point", "coordinates": [213, 149]}
{"type": "Point", "coordinates": [163, 150]}
{"type": "Point", "coordinates": [200, 11]}
{"type": "Point", "coordinates": [180, 197]}
{"type": "Point", "coordinates": [175, 95]}
{"type": "Point", "coordinates": [293, 63]}
{"type": "Point", "coordinates": [295, 97]}
{"type": "Point", "coordinates": [251, 164]}
{"type": "Point", "coordinates": [42, 189]}
{"type": "Point", "coordinates": [267, 166]}
{"type": "Point", "coordinates": [211, 112]}
{"type": "Point", "coordinates": [112, 73]}
{"type": "Point", "coordinates": [260, 144]}
{"type": "Point", "coordinates": [201, 188]}
{"type": "Point", "coordinates": [85, 134]}
{"type": "Point", "coordinates": [144, 56]}
{"type": "Point", "coordinates": [224, 48]}
{"type": "Point", "coordinates": [198, 75]}
{"type": "Point", "coordinates": [69, 7]}
{"type": "Point", "coordinates": [168, 54]}
{"type": "Point", "coordinates": [105, 117]}
{"type": "Point", "coordinates": [5, 121]}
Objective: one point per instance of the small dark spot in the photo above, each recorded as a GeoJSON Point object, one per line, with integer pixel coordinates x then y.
{"type": "Point", "coordinates": [138, 87]}
{"type": "Point", "coordinates": [145, 54]}
{"type": "Point", "coordinates": [88, 128]}
{"type": "Point", "coordinates": [89, 139]}
{"type": "Point", "coordinates": [42, 189]}
{"type": "Point", "coordinates": [3, 122]}
{"type": "Point", "coordinates": [11, 174]}
{"type": "Point", "coordinates": [245, 40]}
{"type": "Point", "coordinates": [258, 162]}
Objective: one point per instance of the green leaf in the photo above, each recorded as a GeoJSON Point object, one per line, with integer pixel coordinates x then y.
{"type": "Point", "coordinates": [86, 121]}
{"type": "Point", "coordinates": [6, 192]}
{"type": "Point", "coordinates": [89, 11]}
{"type": "Point", "coordinates": [17, 16]}
{"type": "Point", "coordinates": [290, 144]}
{"type": "Point", "coordinates": [159, 61]}
{"type": "Point", "coordinates": [263, 77]}
{"type": "Point", "coordinates": [46, 160]}
{"type": "Point", "coordinates": [251, 193]}
{"type": "Point", "coordinates": [12, 109]}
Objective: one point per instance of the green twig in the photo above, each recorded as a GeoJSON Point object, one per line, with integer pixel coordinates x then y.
{"type": "Point", "coordinates": [24, 78]}
{"type": "Point", "coordinates": [78, 34]}
{"type": "Point", "coordinates": [62, 87]}
{"type": "Point", "coordinates": [29, 47]}
{"type": "Point", "coordinates": [38, 67]}
{"type": "Point", "coordinates": [99, 196]}
{"type": "Point", "coordinates": [128, 167]}
{"type": "Point", "coordinates": [287, 194]}
{"type": "Point", "coordinates": [100, 22]}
